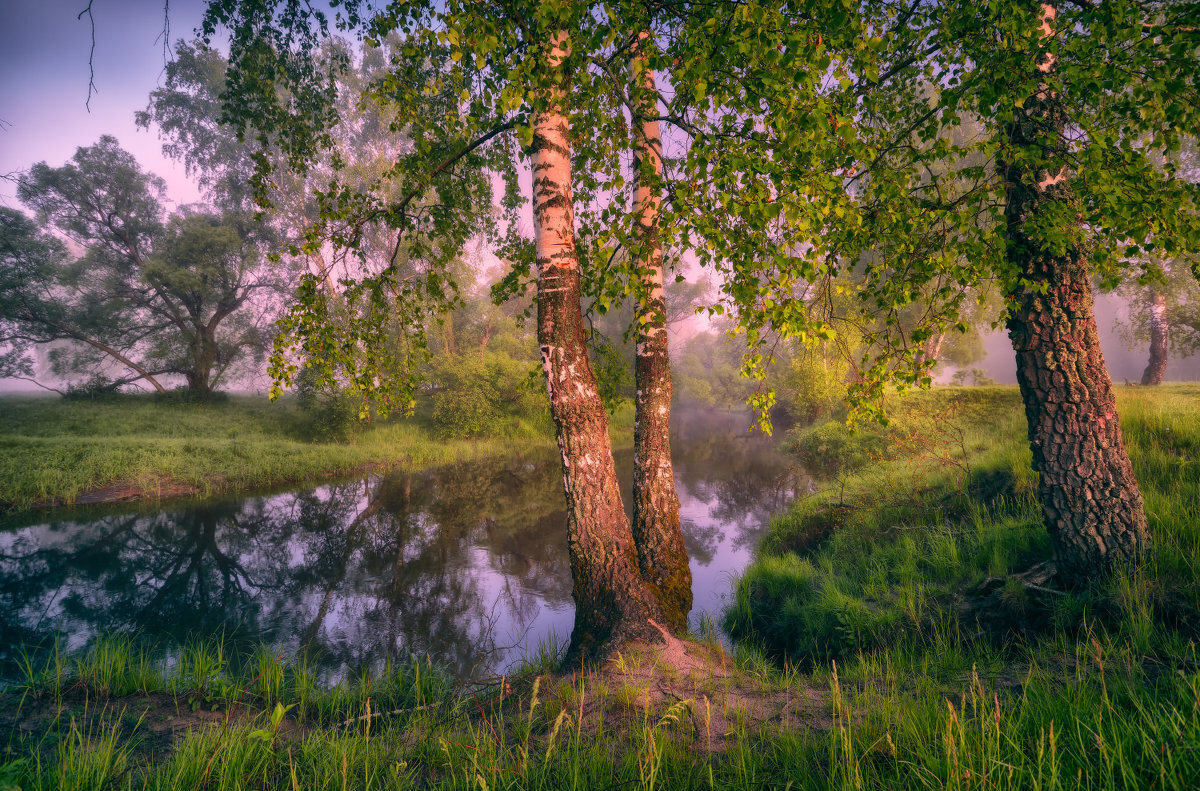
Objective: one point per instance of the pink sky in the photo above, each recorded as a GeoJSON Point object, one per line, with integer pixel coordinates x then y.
{"type": "Point", "coordinates": [44, 83]}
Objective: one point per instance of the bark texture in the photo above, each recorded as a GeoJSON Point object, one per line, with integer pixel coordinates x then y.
{"type": "Point", "coordinates": [612, 604]}
{"type": "Point", "coordinates": [657, 533]}
{"type": "Point", "coordinates": [205, 354]}
{"type": "Point", "coordinates": [1090, 498]}
{"type": "Point", "coordinates": [1156, 368]}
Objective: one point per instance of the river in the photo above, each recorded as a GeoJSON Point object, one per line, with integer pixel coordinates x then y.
{"type": "Point", "coordinates": [465, 563]}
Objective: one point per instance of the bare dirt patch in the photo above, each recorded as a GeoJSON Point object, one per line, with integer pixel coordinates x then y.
{"type": "Point", "coordinates": [694, 690]}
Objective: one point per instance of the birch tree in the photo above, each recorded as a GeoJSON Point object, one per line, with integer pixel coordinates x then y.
{"type": "Point", "coordinates": [657, 529]}
{"type": "Point", "coordinates": [476, 88]}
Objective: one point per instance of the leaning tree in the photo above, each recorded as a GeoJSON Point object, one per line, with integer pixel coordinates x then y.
{"type": "Point", "coordinates": [1077, 104]}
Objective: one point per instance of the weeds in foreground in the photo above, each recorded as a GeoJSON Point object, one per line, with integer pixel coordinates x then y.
{"type": "Point", "coordinates": [1087, 714]}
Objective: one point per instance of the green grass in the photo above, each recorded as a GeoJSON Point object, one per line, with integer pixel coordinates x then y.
{"type": "Point", "coordinates": [943, 498]}
{"type": "Point", "coordinates": [851, 615]}
{"type": "Point", "coordinates": [54, 450]}
{"type": "Point", "coordinates": [942, 714]}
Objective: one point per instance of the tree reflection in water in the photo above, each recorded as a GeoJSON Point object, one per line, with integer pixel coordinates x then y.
{"type": "Point", "coordinates": [466, 563]}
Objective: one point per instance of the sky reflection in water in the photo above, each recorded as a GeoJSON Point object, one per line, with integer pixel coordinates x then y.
{"type": "Point", "coordinates": [466, 563]}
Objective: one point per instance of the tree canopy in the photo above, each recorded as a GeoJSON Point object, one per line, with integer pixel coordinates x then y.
{"type": "Point", "coordinates": [156, 295]}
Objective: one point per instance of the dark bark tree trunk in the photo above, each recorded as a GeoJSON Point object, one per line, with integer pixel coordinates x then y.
{"type": "Point", "coordinates": [1156, 368]}
{"type": "Point", "coordinates": [204, 357]}
{"type": "Point", "coordinates": [1090, 498]}
{"type": "Point", "coordinates": [612, 604]}
{"type": "Point", "coordinates": [662, 556]}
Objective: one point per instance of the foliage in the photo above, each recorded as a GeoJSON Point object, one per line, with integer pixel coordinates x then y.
{"type": "Point", "coordinates": [29, 260]}
{"type": "Point", "coordinates": [395, 227]}
{"type": "Point", "coordinates": [1172, 279]}
{"type": "Point", "coordinates": [91, 389]}
{"type": "Point", "coordinates": [707, 370]}
{"type": "Point", "coordinates": [330, 415]}
{"type": "Point", "coordinates": [876, 182]}
{"type": "Point", "coordinates": [187, 109]}
{"type": "Point", "coordinates": [476, 395]}
{"type": "Point", "coordinates": [829, 448]}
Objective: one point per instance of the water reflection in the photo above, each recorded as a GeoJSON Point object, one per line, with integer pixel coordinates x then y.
{"type": "Point", "coordinates": [466, 563]}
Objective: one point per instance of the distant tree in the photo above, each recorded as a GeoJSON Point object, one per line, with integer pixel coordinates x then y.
{"type": "Point", "coordinates": [1164, 305]}
{"type": "Point", "coordinates": [211, 266]}
{"type": "Point", "coordinates": [1164, 315]}
{"type": "Point", "coordinates": [159, 297]}
{"type": "Point", "coordinates": [187, 108]}
{"type": "Point", "coordinates": [338, 207]}
{"type": "Point", "coordinates": [42, 302]}
{"type": "Point", "coordinates": [708, 370]}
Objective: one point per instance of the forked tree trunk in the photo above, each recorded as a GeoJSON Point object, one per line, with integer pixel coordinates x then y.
{"type": "Point", "coordinates": [612, 604]}
{"type": "Point", "coordinates": [662, 556]}
{"type": "Point", "coordinates": [1156, 368]}
{"type": "Point", "coordinates": [1090, 499]}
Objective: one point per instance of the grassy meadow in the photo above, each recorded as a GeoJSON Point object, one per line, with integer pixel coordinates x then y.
{"type": "Point", "coordinates": [883, 643]}
{"type": "Point", "coordinates": [57, 451]}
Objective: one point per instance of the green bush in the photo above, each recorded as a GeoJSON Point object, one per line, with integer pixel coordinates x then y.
{"type": "Point", "coordinates": [186, 395]}
{"type": "Point", "coordinates": [814, 388]}
{"type": "Point", "coordinates": [328, 415]}
{"type": "Point", "coordinates": [95, 388]}
{"type": "Point", "coordinates": [831, 448]}
{"type": "Point", "coordinates": [482, 395]}
{"type": "Point", "coordinates": [465, 411]}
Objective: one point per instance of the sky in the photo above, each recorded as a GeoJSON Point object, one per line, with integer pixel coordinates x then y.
{"type": "Point", "coordinates": [45, 116]}
{"type": "Point", "coordinates": [44, 51]}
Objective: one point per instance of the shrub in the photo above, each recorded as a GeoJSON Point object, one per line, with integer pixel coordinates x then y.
{"type": "Point", "coordinates": [328, 415]}
{"type": "Point", "coordinates": [186, 395]}
{"type": "Point", "coordinates": [831, 448]}
{"type": "Point", "coordinates": [465, 411]}
{"type": "Point", "coordinates": [94, 388]}
{"type": "Point", "coordinates": [479, 395]}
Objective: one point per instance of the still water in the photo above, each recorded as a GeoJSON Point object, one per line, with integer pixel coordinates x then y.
{"type": "Point", "coordinates": [465, 563]}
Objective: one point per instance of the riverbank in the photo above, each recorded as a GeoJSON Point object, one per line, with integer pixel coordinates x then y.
{"type": "Point", "coordinates": [118, 716]}
{"type": "Point", "coordinates": [917, 571]}
{"type": "Point", "coordinates": [933, 515]}
{"type": "Point", "coordinates": [63, 452]}
{"type": "Point", "coordinates": [942, 714]}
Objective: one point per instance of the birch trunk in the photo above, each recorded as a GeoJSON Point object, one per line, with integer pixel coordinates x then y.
{"type": "Point", "coordinates": [1156, 368]}
{"type": "Point", "coordinates": [612, 604]}
{"type": "Point", "coordinates": [1090, 498]}
{"type": "Point", "coordinates": [662, 556]}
